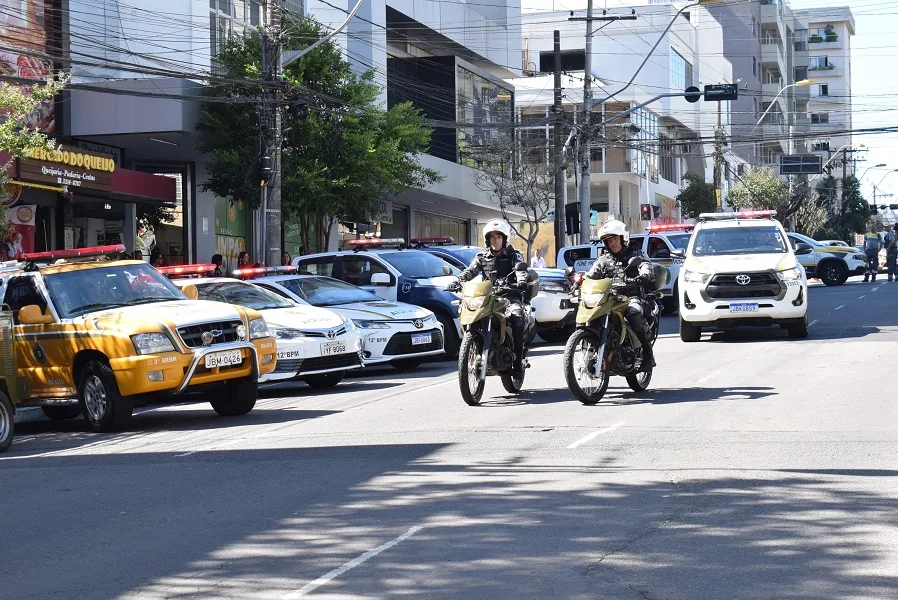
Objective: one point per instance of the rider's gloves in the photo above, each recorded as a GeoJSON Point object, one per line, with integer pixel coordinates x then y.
{"type": "Point", "coordinates": [521, 279]}
{"type": "Point", "coordinates": [455, 286]}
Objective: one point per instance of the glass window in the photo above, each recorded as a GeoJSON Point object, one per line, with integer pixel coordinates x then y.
{"type": "Point", "coordinates": [21, 291]}
{"type": "Point", "coordinates": [823, 89]}
{"type": "Point", "coordinates": [574, 254]}
{"type": "Point", "coordinates": [680, 241]}
{"type": "Point", "coordinates": [243, 294]}
{"type": "Point", "coordinates": [678, 71]}
{"type": "Point", "coordinates": [323, 265]}
{"type": "Point", "coordinates": [739, 240]}
{"type": "Point", "coordinates": [358, 269]}
{"type": "Point", "coordinates": [419, 265]}
{"type": "Point", "coordinates": [323, 291]}
{"type": "Point", "coordinates": [480, 100]}
{"type": "Point", "coordinates": [658, 248]}
{"type": "Point", "coordinates": [801, 73]}
{"type": "Point", "coordinates": [819, 118]}
{"type": "Point", "coordinates": [819, 62]}
{"type": "Point", "coordinates": [636, 241]}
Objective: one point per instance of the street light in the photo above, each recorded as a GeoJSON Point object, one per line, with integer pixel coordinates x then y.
{"type": "Point", "coordinates": [802, 83]}
{"type": "Point", "coordinates": [835, 154]}
{"type": "Point", "coordinates": [879, 166]}
{"type": "Point", "coordinates": [883, 178]}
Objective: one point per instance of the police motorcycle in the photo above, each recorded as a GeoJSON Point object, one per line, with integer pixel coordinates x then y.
{"type": "Point", "coordinates": [487, 346]}
{"type": "Point", "coordinates": [604, 344]}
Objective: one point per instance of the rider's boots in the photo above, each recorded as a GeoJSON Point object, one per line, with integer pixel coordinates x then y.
{"type": "Point", "coordinates": [648, 354]}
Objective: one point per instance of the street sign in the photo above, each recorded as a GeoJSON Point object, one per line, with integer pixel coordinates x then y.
{"type": "Point", "coordinates": [722, 91]}
{"type": "Point", "coordinates": [693, 94]}
{"type": "Point", "coordinates": [801, 164]}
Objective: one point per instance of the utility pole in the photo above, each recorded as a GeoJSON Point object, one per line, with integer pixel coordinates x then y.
{"type": "Point", "coordinates": [560, 162]}
{"type": "Point", "coordinates": [718, 158]}
{"type": "Point", "coordinates": [272, 110]}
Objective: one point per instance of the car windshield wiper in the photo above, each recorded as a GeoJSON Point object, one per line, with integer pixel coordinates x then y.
{"type": "Point", "coordinates": [94, 307]}
{"type": "Point", "coordinates": [152, 299]}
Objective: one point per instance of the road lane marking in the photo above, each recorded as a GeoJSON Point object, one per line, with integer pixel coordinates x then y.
{"type": "Point", "coordinates": [352, 564]}
{"type": "Point", "coordinates": [594, 435]}
{"type": "Point", "coordinates": [862, 296]}
{"type": "Point", "coordinates": [874, 289]}
{"type": "Point", "coordinates": [707, 377]}
{"type": "Point", "coordinates": [839, 307]}
{"type": "Point", "coordinates": [811, 324]}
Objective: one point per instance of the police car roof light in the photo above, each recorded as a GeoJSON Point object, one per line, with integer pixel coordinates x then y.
{"type": "Point", "coordinates": [75, 253]}
{"type": "Point", "coordinates": [177, 270]}
{"type": "Point", "coordinates": [376, 243]}
{"type": "Point", "coordinates": [658, 228]}
{"type": "Point", "coordinates": [257, 271]}
{"type": "Point", "coordinates": [745, 214]}
{"type": "Point", "coordinates": [432, 241]}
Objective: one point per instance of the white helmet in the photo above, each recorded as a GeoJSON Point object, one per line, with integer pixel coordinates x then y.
{"type": "Point", "coordinates": [614, 227]}
{"type": "Point", "coordinates": [499, 225]}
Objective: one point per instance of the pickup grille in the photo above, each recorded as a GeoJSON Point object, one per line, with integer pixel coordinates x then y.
{"type": "Point", "coordinates": [401, 343]}
{"type": "Point", "coordinates": [725, 286]}
{"type": "Point", "coordinates": [226, 331]}
{"type": "Point", "coordinates": [319, 363]}
{"type": "Point", "coordinates": [330, 333]}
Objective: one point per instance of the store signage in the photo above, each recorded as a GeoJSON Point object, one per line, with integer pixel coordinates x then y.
{"type": "Point", "coordinates": [114, 153]}
{"type": "Point", "coordinates": [68, 167]}
{"type": "Point", "coordinates": [385, 212]}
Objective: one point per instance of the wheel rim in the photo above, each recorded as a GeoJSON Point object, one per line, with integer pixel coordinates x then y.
{"type": "Point", "coordinates": [474, 368]}
{"type": "Point", "coordinates": [831, 273]}
{"type": "Point", "coordinates": [5, 424]}
{"type": "Point", "coordinates": [95, 398]}
{"type": "Point", "coordinates": [585, 356]}
{"type": "Point", "coordinates": [643, 378]}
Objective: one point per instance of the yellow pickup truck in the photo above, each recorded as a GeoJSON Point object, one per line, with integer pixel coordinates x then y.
{"type": "Point", "coordinates": [95, 336]}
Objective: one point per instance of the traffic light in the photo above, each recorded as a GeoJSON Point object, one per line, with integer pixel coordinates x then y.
{"type": "Point", "coordinates": [646, 212]}
{"type": "Point", "coordinates": [297, 108]}
{"type": "Point", "coordinates": [873, 209]}
{"type": "Point", "coordinates": [572, 218]}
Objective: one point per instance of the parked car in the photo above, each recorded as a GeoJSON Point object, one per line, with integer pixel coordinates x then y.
{"type": "Point", "coordinates": [832, 265]}
{"type": "Point", "coordinates": [392, 332]}
{"type": "Point", "coordinates": [313, 344]}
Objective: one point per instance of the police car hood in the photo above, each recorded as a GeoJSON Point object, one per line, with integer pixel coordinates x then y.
{"type": "Point", "coordinates": [740, 263]}
{"type": "Point", "coordinates": [440, 282]}
{"type": "Point", "coordinates": [178, 313]}
{"type": "Point", "coordinates": [380, 310]}
{"type": "Point", "coordinates": [302, 317]}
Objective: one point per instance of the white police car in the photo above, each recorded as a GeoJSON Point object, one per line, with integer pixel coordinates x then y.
{"type": "Point", "coordinates": [392, 332]}
{"type": "Point", "coordinates": [384, 268]}
{"type": "Point", "coordinates": [314, 344]}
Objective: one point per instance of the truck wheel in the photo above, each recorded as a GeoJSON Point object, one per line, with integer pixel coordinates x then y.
{"type": "Point", "coordinates": [689, 332]}
{"type": "Point", "coordinates": [238, 398]}
{"type": "Point", "coordinates": [7, 422]}
{"type": "Point", "coordinates": [798, 329]}
{"type": "Point", "coordinates": [833, 273]}
{"type": "Point", "coordinates": [102, 405]}
{"type": "Point", "coordinates": [61, 413]}
{"type": "Point", "coordinates": [325, 380]}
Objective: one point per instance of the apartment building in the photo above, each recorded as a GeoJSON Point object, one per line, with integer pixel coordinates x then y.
{"type": "Point", "coordinates": [640, 158]}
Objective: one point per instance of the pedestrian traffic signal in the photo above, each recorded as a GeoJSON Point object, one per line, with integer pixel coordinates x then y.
{"type": "Point", "coordinates": [646, 212]}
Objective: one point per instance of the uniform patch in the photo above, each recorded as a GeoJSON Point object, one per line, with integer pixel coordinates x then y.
{"type": "Point", "coordinates": [40, 355]}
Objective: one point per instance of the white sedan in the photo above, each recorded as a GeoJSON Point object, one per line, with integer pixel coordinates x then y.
{"type": "Point", "coordinates": [314, 344]}
{"type": "Point", "coordinates": [395, 332]}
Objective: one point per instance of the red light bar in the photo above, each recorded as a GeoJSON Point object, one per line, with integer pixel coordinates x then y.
{"type": "Point", "coordinates": [186, 270]}
{"type": "Point", "coordinates": [751, 214]}
{"type": "Point", "coordinates": [671, 227]}
{"type": "Point", "coordinates": [375, 242]}
{"type": "Point", "coordinates": [76, 253]}
{"type": "Point", "coordinates": [433, 240]}
{"type": "Point", "coordinates": [257, 271]}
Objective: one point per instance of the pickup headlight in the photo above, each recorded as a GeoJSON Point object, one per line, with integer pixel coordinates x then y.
{"type": "Point", "coordinates": [860, 257]}
{"type": "Point", "coordinates": [551, 286]}
{"type": "Point", "coordinates": [694, 276]}
{"type": "Point", "coordinates": [431, 318]}
{"type": "Point", "coordinates": [474, 302]}
{"type": "Point", "coordinates": [349, 324]}
{"type": "Point", "coordinates": [790, 274]}
{"type": "Point", "coordinates": [591, 300]}
{"type": "Point", "coordinates": [363, 324]}
{"type": "Point", "coordinates": [152, 343]}
{"type": "Point", "coordinates": [285, 333]}
{"type": "Point", "coordinates": [258, 328]}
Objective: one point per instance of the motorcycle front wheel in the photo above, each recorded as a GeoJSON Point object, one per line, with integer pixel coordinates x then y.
{"type": "Point", "coordinates": [580, 356]}
{"type": "Point", "coordinates": [469, 358]}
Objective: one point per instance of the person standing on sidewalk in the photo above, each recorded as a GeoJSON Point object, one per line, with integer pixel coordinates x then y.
{"type": "Point", "coordinates": [891, 243]}
{"type": "Point", "coordinates": [872, 246]}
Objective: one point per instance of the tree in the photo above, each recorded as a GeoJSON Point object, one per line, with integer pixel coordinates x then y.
{"type": "Point", "coordinates": [759, 189]}
{"type": "Point", "coordinates": [16, 138]}
{"type": "Point", "coordinates": [338, 162]}
{"type": "Point", "coordinates": [853, 215]}
{"type": "Point", "coordinates": [697, 197]}
{"type": "Point", "coordinates": [518, 179]}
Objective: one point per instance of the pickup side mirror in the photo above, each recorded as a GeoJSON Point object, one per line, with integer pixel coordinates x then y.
{"type": "Point", "coordinates": [447, 270]}
{"type": "Point", "coordinates": [633, 264]}
{"type": "Point", "coordinates": [190, 291]}
{"type": "Point", "coordinates": [380, 279]}
{"type": "Point", "coordinates": [802, 248]}
{"type": "Point", "coordinates": [33, 315]}
{"type": "Point", "coordinates": [678, 253]}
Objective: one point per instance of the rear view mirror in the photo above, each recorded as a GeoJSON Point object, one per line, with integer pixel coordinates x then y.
{"type": "Point", "coordinates": [447, 270]}
{"type": "Point", "coordinates": [678, 254]}
{"type": "Point", "coordinates": [33, 315]}
{"type": "Point", "coordinates": [190, 291]}
{"type": "Point", "coordinates": [802, 248]}
{"type": "Point", "coordinates": [380, 279]}
{"type": "Point", "coordinates": [521, 266]}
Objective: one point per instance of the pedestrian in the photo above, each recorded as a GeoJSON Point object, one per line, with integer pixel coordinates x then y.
{"type": "Point", "coordinates": [156, 260]}
{"type": "Point", "coordinates": [891, 243]}
{"type": "Point", "coordinates": [286, 259]}
{"type": "Point", "coordinates": [538, 262]}
{"type": "Point", "coordinates": [218, 260]}
{"type": "Point", "coordinates": [243, 260]}
{"type": "Point", "coordinates": [138, 255]}
{"type": "Point", "coordinates": [872, 246]}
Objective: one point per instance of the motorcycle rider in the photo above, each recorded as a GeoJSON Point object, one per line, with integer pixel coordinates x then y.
{"type": "Point", "coordinates": [612, 262]}
{"type": "Point", "coordinates": [499, 260]}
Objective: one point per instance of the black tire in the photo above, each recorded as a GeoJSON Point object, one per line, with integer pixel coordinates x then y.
{"type": "Point", "coordinates": [323, 381]}
{"type": "Point", "coordinates": [559, 334]}
{"type": "Point", "coordinates": [639, 382]}
{"type": "Point", "coordinates": [512, 384]}
{"type": "Point", "coordinates": [689, 332]}
{"type": "Point", "coordinates": [570, 369]}
{"type": "Point", "coordinates": [530, 337]}
{"type": "Point", "coordinates": [239, 397]}
{"type": "Point", "coordinates": [103, 406]}
{"type": "Point", "coordinates": [451, 341]}
{"type": "Point", "coordinates": [61, 413]}
{"type": "Point", "coordinates": [7, 422]}
{"type": "Point", "coordinates": [671, 304]}
{"type": "Point", "coordinates": [471, 349]}
{"type": "Point", "coordinates": [833, 273]}
{"type": "Point", "coordinates": [406, 364]}
{"type": "Point", "coordinates": [798, 329]}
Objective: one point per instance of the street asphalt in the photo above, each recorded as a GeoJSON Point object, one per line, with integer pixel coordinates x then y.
{"type": "Point", "coordinates": [754, 467]}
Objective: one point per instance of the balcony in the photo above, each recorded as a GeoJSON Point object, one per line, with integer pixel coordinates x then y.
{"type": "Point", "coordinates": [772, 55]}
{"type": "Point", "coordinates": [829, 70]}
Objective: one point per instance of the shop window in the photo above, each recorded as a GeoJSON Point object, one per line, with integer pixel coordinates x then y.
{"type": "Point", "coordinates": [317, 266]}
{"type": "Point", "coordinates": [20, 291]}
{"type": "Point", "coordinates": [358, 270]}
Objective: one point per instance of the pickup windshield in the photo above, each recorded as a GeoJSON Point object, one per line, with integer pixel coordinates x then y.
{"type": "Point", "coordinates": [739, 240]}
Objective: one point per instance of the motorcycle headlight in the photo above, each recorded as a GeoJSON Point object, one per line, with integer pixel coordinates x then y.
{"type": "Point", "coordinates": [258, 328]}
{"type": "Point", "coordinates": [790, 274]}
{"type": "Point", "coordinates": [694, 276]}
{"type": "Point", "coordinates": [285, 333]}
{"type": "Point", "coordinates": [474, 302]}
{"type": "Point", "coordinates": [363, 324]}
{"type": "Point", "coordinates": [591, 300]}
{"type": "Point", "coordinates": [152, 343]}
{"type": "Point", "coordinates": [551, 286]}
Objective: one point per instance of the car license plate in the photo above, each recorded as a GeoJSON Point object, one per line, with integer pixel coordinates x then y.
{"type": "Point", "coordinates": [223, 359]}
{"type": "Point", "coordinates": [420, 338]}
{"type": "Point", "coordinates": [743, 307]}
{"type": "Point", "coordinates": [328, 348]}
